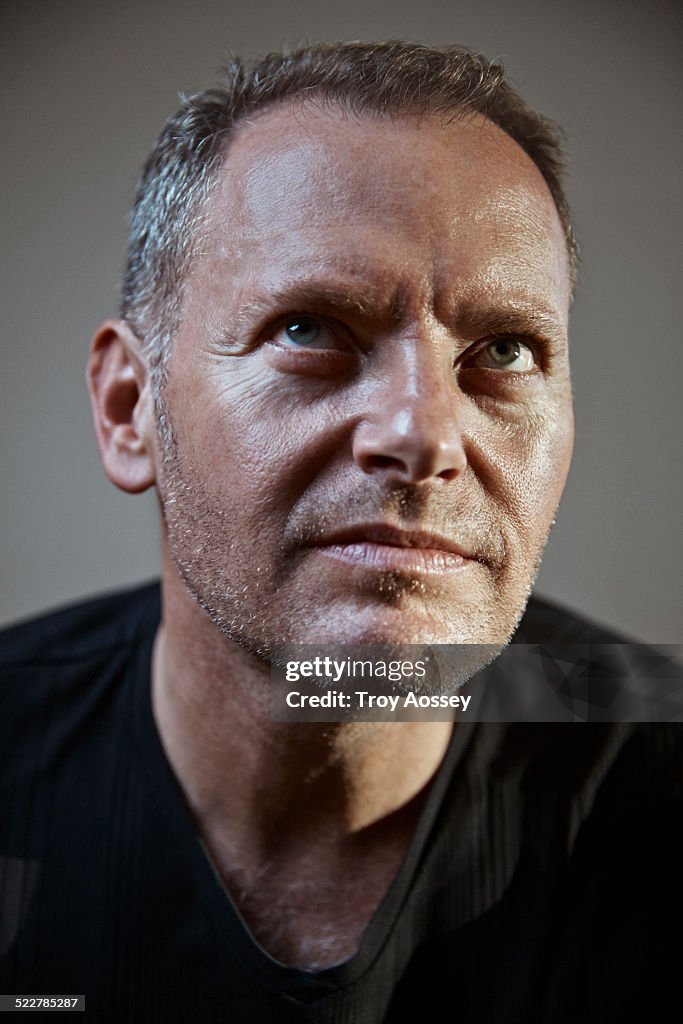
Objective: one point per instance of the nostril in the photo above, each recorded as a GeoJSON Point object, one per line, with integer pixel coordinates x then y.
{"type": "Point", "coordinates": [382, 461]}
{"type": "Point", "coordinates": [415, 452]}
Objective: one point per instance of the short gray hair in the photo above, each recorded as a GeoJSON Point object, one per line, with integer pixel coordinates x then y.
{"type": "Point", "coordinates": [388, 78]}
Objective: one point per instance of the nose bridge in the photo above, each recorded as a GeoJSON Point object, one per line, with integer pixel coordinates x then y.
{"type": "Point", "coordinates": [420, 388]}
{"type": "Point", "coordinates": [412, 431]}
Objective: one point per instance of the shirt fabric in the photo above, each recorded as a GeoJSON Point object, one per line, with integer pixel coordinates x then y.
{"type": "Point", "coordinates": [543, 882]}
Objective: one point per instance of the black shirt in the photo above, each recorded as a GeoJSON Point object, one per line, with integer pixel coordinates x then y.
{"type": "Point", "coordinates": [539, 885]}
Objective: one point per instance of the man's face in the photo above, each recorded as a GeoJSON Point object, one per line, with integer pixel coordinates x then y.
{"type": "Point", "coordinates": [369, 390]}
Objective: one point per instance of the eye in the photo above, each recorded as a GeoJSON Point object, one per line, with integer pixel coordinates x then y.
{"type": "Point", "coordinates": [306, 332]}
{"type": "Point", "coordinates": [509, 354]}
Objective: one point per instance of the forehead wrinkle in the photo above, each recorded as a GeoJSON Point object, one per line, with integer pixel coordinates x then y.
{"type": "Point", "coordinates": [261, 182]}
{"type": "Point", "coordinates": [528, 278]}
{"type": "Point", "coordinates": [361, 276]}
{"type": "Point", "coordinates": [278, 187]}
{"type": "Point", "coordinates": [364, 252]}
{"type": "Point", "coordinates": [508, 287]}
{"type": "Point", "coordinates": [268, 194]}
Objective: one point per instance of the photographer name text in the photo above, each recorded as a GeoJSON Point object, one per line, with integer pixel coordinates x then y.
{"type": "Point", "coordinates": [362, 699]}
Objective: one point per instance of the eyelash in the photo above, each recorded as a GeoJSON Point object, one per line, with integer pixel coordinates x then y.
{"type": "Point", "coordinates": [538, 346]}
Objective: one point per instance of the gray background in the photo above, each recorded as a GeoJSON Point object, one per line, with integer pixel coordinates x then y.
{"type": "Point", "coordinates": [85, 88]}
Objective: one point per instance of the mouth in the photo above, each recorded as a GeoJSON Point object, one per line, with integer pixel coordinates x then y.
{"type": "Point", "coordinates": [382, 548]}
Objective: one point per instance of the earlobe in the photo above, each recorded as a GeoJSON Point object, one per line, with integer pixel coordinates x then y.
{"type": "Point", "coordinates": [121, 401]}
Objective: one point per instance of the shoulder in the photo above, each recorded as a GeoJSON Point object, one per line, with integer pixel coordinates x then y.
{"type": "Point", "coordinates": [612, 708]}
{"type": "Point", "coordinates": [81, 630]}
{"type": "Point", "coordinates": [63, 683]}
{"type": "Point", "coordinates": [579, 670]}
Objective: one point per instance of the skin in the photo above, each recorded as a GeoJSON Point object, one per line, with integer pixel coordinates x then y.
{"type": "Point", "coordinates": [347, 457]}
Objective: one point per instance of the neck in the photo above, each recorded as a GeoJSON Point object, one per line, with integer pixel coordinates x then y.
{"type": "Point", "coordinates": [283, 800]}
{"type": "Point", "coordinates": [211, 701]}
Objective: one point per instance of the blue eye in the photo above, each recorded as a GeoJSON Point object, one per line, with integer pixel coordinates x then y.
{"type": "Point", "coordinates": [303, 330]}
{"type": "Point", "coordinates": [309, 332]}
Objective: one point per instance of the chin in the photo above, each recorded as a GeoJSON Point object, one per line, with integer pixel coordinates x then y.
{"type": "Point", "coordinates": [399, 627]}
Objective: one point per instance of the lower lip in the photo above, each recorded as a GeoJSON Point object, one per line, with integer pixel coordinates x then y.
{"type": "Point", "coordinates": [389, 558]}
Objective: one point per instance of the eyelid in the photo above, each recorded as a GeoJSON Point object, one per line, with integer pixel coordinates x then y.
{"type": "Point", "coordinates": [335, 327]}
{"type": "Point", "coordinates": [537, 346]}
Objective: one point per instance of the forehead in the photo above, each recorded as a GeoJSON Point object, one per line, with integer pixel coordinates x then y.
{"type": "Point", "coordinates": [382, 196]}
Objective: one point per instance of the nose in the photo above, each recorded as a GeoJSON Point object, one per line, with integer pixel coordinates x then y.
{"type": "Point", "coordinates": [412, 432]}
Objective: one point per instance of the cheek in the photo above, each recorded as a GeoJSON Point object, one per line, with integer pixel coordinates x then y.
{"type": "Point", "coordinates": [524, 467]}
{"type": "Point", "coordinates": [247, 445]}
{"type": "Point", "coordinates": [546, 468]}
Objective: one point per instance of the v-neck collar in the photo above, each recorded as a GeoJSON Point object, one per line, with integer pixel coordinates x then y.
{"type": "Point", "coordinates": [196, 863]}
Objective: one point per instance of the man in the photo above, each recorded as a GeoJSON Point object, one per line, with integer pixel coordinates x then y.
{"type": "Point", "coordinates": [342, 361]}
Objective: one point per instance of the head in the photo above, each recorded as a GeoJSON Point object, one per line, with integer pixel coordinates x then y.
{"type": "Point", "coordinates": [343, 350]}
{"type": "Point", "coordinates": [390, 79]}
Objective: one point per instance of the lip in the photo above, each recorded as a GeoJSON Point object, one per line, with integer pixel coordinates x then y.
{"type": "Point", "coordinates": [389, 549]}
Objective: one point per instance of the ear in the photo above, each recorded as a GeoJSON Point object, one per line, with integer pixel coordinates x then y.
{"type": "Point", "coordinates": [122, 407]}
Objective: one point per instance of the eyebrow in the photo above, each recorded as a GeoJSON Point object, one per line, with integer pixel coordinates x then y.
{"type": "Point", "coordinates": [298, 297]}
{"type": "Point", "coordinates": [355, 300]}
{"type": "Point", "coordinates": [516, 319]}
